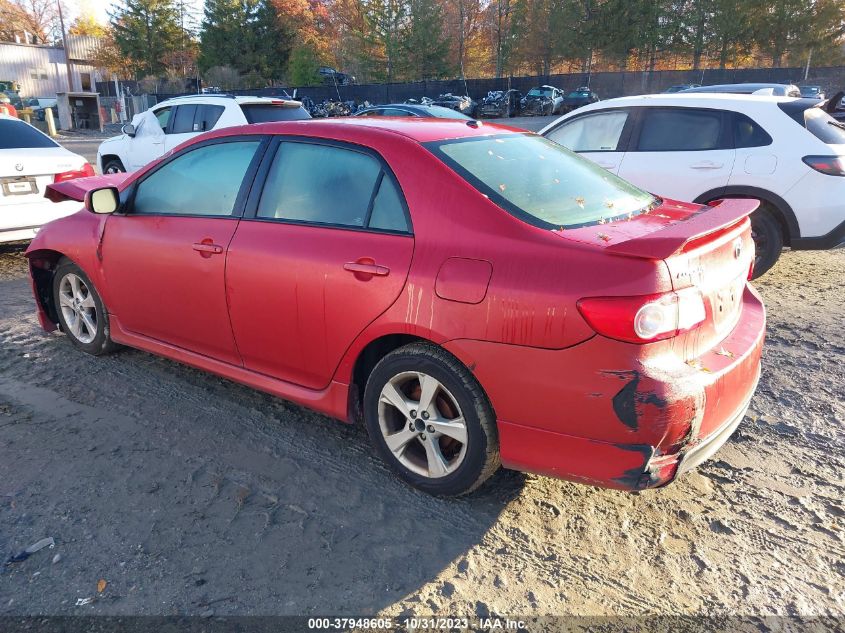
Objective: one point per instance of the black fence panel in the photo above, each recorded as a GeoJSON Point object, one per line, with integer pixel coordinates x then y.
{"type": "Point", "coordinates": [607, 84]}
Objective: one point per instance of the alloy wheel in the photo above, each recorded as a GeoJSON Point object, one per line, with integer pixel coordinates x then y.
{"type": "Point", "coordinates": [422, 424]}
{"type": "Point", "coordinates": [78, 308]}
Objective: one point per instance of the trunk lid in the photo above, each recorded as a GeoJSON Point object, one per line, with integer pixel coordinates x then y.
{"type": "Point", "coordinates": [709, 248]}
{"type": "Point", "coordinates": [38, 166]}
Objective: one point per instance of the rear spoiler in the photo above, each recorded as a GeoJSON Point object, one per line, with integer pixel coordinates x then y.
{"type": "Point", "coordinates": [77, 188]}
{"type": "Point", "coordinates": [717, 216]}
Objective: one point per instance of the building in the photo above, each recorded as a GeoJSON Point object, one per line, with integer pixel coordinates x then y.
{"type": "Point", "coordinates": [41, 71]}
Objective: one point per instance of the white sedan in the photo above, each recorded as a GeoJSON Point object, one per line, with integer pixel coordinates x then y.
{"type": "Point", "coordinates": [29, 161]}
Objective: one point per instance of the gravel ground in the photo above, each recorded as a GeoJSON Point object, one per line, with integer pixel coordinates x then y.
{"type": "Point", "coordinates": [188, 494]}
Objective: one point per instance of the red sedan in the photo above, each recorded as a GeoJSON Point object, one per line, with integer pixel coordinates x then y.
{"type": "Point", "coordinates": [477, 295]}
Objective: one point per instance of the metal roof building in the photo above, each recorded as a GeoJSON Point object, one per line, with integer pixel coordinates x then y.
{"type": "Point", "coordinates": [41, 70]}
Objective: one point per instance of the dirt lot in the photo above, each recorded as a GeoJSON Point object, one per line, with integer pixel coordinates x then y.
{"type": "Point", "coordinates": [189, 494]}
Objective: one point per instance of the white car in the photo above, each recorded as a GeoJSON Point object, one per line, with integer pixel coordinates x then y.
{"type": "Point", "coordinates": [786, 152]}
{"type": "Point", "coordinates": [29, 161]}
{"type": "Point", "coordinates": [161, 128]}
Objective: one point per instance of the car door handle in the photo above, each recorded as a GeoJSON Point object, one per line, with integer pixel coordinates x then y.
{"type": "Point", "coordinates": [606, 165]}
{"type": "Point", "coordinates": [366, 268]}
{"type": "Point", "coordinates": [207, 249]}
{"type": "Point", "coordinates": [707, 164]}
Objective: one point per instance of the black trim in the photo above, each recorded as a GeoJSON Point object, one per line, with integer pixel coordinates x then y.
{"type": "Point", "coordinates": [786, 212]}
{"type": "Point", "coordinates": [260, 179]}
{"type": "Point", "coordinates": [20, 228]}
{"type": "Point", "coordinates": [128, 202]}
{"type": "Point", "coordinates": [833, 239]}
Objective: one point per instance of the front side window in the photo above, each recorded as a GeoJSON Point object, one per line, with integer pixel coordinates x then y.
{"type": "Point", "coordinates": [592, 133]}
{"type": "Point", "coordinates": [541, 182]}
{"type": "Point", "coordinates": [680, 130]}
{"type": "Point", "coordinates": [204, 181]}
{"type": "Point", "coordinates": [324, 184]}
{"type": "Point", "coordinates": [163, 117]}
{"type": "Point", "coordinates": [395, 112]}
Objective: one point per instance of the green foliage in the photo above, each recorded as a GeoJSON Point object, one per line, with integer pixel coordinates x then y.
{"type": "Point", "coordinates": [302, 67]}
{"type": "Point", "coordinates": [146, 32]}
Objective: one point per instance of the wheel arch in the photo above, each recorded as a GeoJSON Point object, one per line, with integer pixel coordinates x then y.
{"type": "Point", "coordinates": [104, 158]}
{"type": "Point", "coordinates": [42, 266]}
{"type": "Point", "coordinates": [783, 211]}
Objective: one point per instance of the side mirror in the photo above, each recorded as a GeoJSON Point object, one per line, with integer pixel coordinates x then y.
{"type": "Point", "coordinates": [103, 201]}
{"type": "Point", "coordinates": [128, 129]}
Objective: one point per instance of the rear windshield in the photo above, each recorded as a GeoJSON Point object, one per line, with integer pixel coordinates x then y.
{"type": "Point", "coordinates": [824, 127]}
{"type": "Point", "coordinates": [540, 181]}
{"type": "Point", "coordinates": [15, 134]}
{"type": "Point", "coordinates": [268, 113]}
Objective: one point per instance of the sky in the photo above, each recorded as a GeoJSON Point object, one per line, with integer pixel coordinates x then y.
{"type": "Point", "coordinates": [100, 8]}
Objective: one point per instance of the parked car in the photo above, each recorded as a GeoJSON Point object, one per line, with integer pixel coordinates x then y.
{"type": "Point", "coordinates": [786, 152]}
{"type": "Point", "coordinates": [459, 103]}
{"type": "Point", "coordinates": [352, 285]}
{"type": "Point", "coordinates": [412, 110]}
{"type": "Point", "coordinates": [771, 90]}
{"type": "Point", "coordinates": [168, 124]}
{"type": "Point", "coordinates": [579, 98]}
{"type": "Point", "coordinates": [811, 92]}
{"type": "Point", "coordinates": [333, 77]}
{"type": "Point", "coordinates": [500, 104]}
{"type": "Point", "coordinates": [680, 88]}
{"type": "Point", "coordinates": [542, 100]}
{"type": "Point", "coordinates": [29, 161]}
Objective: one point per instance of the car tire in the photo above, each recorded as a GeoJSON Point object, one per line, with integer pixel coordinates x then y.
{"type": "Point", "coordinates": [768, 239]}
{"type": "Point", "coordinates": [80, 310]}
{"type": "Point", "coordinates": [452, 446]}
{"type": "Point", "coordinates": [113, 166]}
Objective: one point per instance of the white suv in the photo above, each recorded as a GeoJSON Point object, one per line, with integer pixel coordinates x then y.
{"type": "Point", "coordinates": [786, 152]}
{"type": "Point", "coordinates": [161, 128]}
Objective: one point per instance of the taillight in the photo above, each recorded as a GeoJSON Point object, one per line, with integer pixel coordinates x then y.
{"type": "Point", "coordinates": [830, 165]}
{"type": "Point", "coordinates": [645, 318]}
{"type": "Point", "coordinates": [86, 171]}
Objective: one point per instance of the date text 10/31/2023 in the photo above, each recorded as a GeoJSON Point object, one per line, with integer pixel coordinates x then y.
{"type": "Point", "coordinates": [417, 624]}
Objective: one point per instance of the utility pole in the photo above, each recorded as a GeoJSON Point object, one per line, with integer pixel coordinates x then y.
{"type": "Point", "coordinates": [65, 44]}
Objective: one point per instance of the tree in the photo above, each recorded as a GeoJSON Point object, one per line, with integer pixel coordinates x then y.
{"type": "Point", "coordinates": [86, 24]}
{"type": "Point", "coordinates": [38, 18]}
{"type": "Point", "coordinates": [147, 31]}
{"type": "Point", "coordinates": [425, 47]}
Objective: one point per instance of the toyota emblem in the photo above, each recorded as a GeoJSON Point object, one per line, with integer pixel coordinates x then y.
{"type": "Point", "coordinates": [19, 166]}
{"type": "Point", "coordinates": [737, 248]}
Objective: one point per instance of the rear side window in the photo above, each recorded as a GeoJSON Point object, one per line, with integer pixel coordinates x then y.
{"type": "Point", "coordinates": [15, 134]}
{"type": "Point", "coordinates": [748, 134]}
{"type": "Point", "coordinates": [268, 113]}
{"type": "Point", "coordinates": [824, 127]}
{"type": "Point", "coordinates": [203, 181]}
{"type": "Point", "coordinates": [206, 117]}
{"type": "Point", "coordinates": [183, 122]}
{"type": "Point", "coordinates": [680, 130]}
{"type": "Point", "coordinates": [395, 112]}
{"type": "Point", "coordinates": [323, 184]}
{"type": "Point", "coordinates": [592, 133]}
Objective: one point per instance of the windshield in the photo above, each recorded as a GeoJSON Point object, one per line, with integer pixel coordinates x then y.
{"type": "Point", "coordinates": [269, 112]}
{"type": "Point", "coordinates": [15, 134]}
{"type": "Point", "coordinates": [824, 127]}
{"type": "Point", "coordinates": [810, 91]}
{"type": "Point", "coordinates": [578, 94]}
{"type": "Point", "coordinates": [539, 92]}
{"type": "Point", "coordinates": [540, 181]}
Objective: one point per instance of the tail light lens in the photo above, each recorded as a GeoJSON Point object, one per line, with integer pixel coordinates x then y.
{"type": "Point", "coordinates": [644, 318]}
{"type": "Point", "coordinates": [830, 165]}
{"type": "Point", "coordinates": [86, 171]}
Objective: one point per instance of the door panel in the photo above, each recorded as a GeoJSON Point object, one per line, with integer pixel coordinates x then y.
{"type": "Point", "coordinates": [298, 298]}
{"type": "Point", "coordinates": [166, 282]}
{"type": "Point", "coordinates": [680, 152]}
